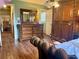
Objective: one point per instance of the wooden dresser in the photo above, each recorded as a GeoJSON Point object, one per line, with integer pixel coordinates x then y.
{"type": "Point", "coordinates": [29, 30]}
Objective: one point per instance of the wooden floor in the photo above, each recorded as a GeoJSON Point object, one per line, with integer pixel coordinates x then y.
{"type": "Point", "coordinates": [22, 50]}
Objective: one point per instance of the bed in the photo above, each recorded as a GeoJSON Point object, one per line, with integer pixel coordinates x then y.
{"type": "Point", "coordinates": [71, 47]}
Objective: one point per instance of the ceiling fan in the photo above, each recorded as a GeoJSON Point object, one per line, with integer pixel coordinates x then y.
{"type": "Point", "coordinates": [51, 3]}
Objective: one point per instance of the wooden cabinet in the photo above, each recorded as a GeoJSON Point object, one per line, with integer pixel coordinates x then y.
{"type": "Point", "coordinates": [62, 30]}
{"type": "Point", "coordinates": [29, 30]}
{"type": "Point", "coordinates": [65, 20]}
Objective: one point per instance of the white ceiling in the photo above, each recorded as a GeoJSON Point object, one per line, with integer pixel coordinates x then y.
{"type": "Point", "coordinates": [35, 1]}
{"type": "Point", "coordinates": [3, 2]}
{"type": "Point", "coordinates": [41, 2]}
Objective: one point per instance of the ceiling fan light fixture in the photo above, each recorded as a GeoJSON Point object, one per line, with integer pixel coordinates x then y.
{"type": "Point", "coordinates": [50, 3]}
{"type": "Point", "coordinates": [56, 4]}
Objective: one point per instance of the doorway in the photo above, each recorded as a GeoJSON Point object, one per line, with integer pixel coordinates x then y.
{"type": "Point", "coordinates": [5, 17]}
{"type": "Point", "coordinates": [6, 23]}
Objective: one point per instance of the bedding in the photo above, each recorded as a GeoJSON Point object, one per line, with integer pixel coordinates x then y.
{"type": "Point", "coordinates": [71, 47]}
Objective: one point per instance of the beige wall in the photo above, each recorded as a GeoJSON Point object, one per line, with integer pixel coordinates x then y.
{"type": "Point", "coordinates": [48, 23]}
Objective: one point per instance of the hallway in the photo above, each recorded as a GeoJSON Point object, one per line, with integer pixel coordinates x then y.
{"type": "Point", "coordinates": [7, 51]}
{"type": "Point", "coordinates": [24, 50]}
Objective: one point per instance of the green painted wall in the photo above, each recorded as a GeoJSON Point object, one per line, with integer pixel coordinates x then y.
{"type": "Point", "coordinates": [20, 4]}
{"type": "Point", "coordinates": [25, 5]}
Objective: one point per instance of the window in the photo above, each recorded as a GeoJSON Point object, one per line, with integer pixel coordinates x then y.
{"type": "Point", "coordinates": [42, 17]}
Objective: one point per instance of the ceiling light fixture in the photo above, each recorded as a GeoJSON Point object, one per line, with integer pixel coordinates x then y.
{"type": "Point", "coordinates": [4, 6]}
{"type": "Point", "coordinates": [50, 3]}
{"type": "Point", "coordinates": [56, 4]}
